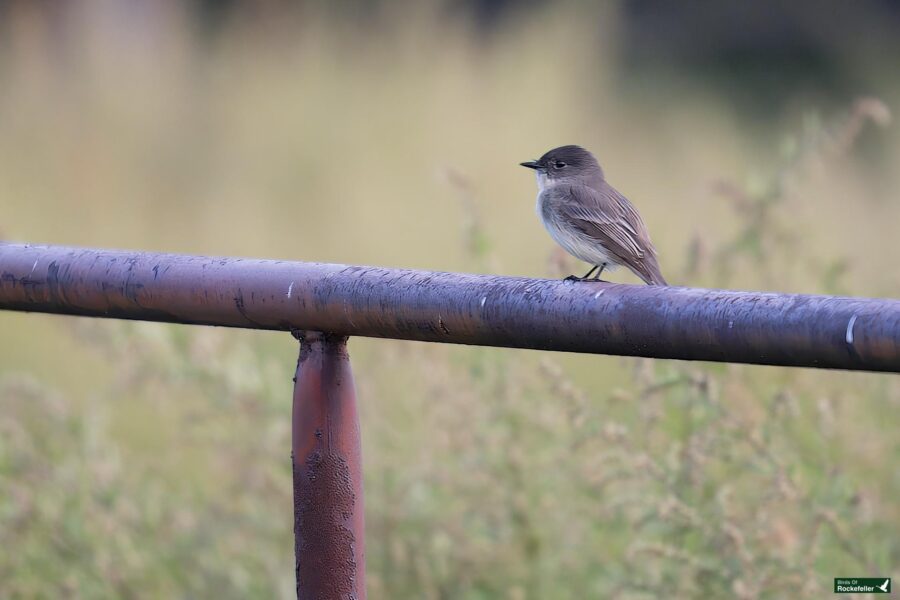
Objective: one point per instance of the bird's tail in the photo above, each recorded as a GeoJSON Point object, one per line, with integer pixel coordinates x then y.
{"type": "Point", "coordinates": [650, 272]}
{"type": "Point", "coordinates": [658, 280]}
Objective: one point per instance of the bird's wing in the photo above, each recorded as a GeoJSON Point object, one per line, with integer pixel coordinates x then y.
{"type": "Point", "coordinates": [607, 216]}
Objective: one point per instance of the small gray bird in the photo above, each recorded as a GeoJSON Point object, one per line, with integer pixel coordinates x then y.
{"type": "Point", "coordinates": [589, 218]}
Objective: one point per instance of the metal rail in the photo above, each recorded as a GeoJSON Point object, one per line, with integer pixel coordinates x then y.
{"type": "Point", "coordinates": [515, 312]}
{"type": "Point", "coordinates": [322, 304]}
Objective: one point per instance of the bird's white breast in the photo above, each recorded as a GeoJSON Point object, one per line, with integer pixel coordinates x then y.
{"type": "Point", "coordinates": [572, 240]}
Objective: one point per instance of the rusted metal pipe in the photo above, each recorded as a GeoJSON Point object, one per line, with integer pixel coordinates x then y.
{"type": "Point", "coordinates": [602, 318]}
{"type": "Point", "coordinates": [329, 528]}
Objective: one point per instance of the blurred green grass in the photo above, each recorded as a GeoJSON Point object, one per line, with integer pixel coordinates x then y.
{"type": "Point", "coordinates": [141, 460]}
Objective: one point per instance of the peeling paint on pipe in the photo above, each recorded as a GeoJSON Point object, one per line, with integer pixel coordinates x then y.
{"type": "Point", "coordinates": [601, 318]}
{"type": "Point", "coordinates": [329, 522]}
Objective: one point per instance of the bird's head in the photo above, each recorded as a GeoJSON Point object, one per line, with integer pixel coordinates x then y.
{"type": "Point", "coordinates": [565, 162]}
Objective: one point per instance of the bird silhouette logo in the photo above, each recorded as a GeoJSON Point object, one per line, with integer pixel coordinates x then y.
{"type": "Point", "coordinates": [884, 587]}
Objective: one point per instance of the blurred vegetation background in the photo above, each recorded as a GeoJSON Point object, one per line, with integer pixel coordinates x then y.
{"type": "Point", "coordinates": [152, 461]}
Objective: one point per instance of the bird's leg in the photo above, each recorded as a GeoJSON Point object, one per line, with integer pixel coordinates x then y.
{"type": "Point", "coordinates": [597, 276]}
{"type": "Point", "coordinates": [586, 276]}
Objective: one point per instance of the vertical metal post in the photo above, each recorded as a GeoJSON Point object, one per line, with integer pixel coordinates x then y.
{"type": "Point", "coordinates": [329, 533]}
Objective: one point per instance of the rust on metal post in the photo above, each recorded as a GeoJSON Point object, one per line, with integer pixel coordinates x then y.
{"type": "Point", "coordinates": [329, 532]}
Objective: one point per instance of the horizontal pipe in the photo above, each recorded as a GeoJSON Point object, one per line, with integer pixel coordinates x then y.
{"type": "Point", "coordinates": [515, 312]}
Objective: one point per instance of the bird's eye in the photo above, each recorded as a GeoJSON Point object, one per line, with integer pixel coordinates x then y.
{"type": "Point", "coordinates": [559, 164]}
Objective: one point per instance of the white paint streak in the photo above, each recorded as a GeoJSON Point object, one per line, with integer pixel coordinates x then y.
{"type": "Point", "coordinates": [34, 266]}
{"type": "Point", "coordinates": [290, 287]}
{"type": "Point", "coordinates": [598, 294]}
{"type": "Point", "coordinates": [730, 324]}
{"type": "Point", "coordinates": [850, 325]}
{"type": "Point", "coordinates": [483, 300]}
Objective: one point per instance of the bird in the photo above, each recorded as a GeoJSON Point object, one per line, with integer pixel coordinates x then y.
{"type": "Point", "coordinates": [884, 586]}
{"type": "Point", "coordinates": [589, 218]}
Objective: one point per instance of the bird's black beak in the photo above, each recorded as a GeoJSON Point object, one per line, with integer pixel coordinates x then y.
{"type": "Point", "coordinates": [531, 164]}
